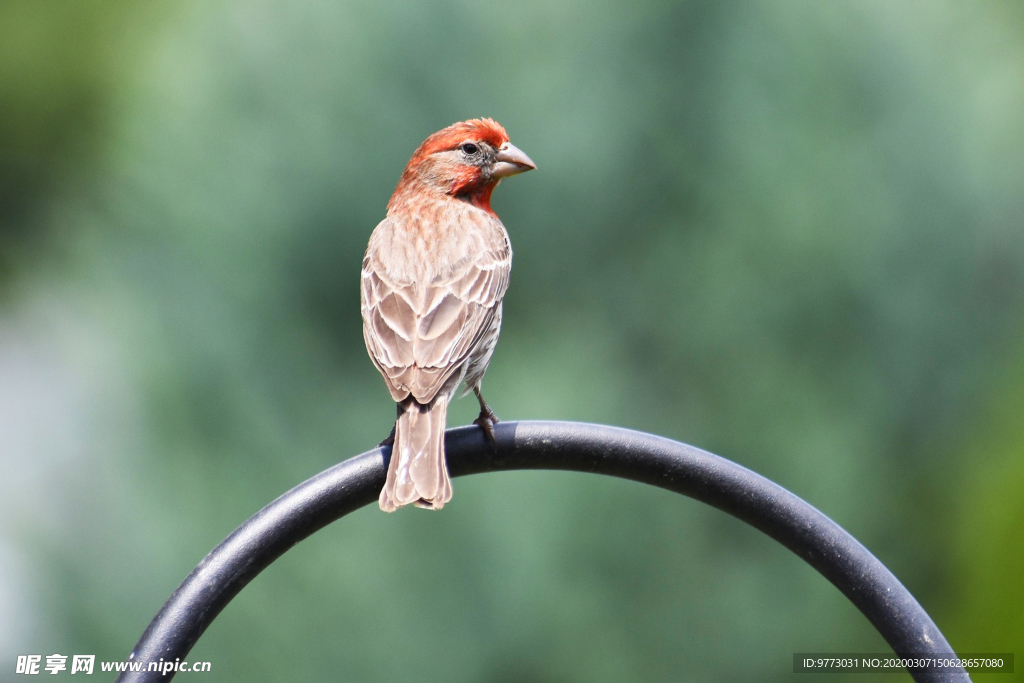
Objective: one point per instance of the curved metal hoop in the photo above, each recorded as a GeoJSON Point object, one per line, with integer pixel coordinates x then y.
{"type": "Point", "coordinates": [617, 452]}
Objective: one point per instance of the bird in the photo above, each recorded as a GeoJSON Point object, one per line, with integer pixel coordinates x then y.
{"type": "Point", "coordinates": [433, 278]}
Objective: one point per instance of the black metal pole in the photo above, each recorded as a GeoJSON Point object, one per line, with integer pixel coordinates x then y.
{"type": "Point", "coordinates": [556, 446]}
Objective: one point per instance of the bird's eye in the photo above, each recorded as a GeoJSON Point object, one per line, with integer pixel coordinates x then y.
{"type": "Point", "coordinates": [469, 148]}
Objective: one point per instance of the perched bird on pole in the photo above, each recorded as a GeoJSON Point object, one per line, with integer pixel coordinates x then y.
{"type": "Point", "coordinates": [433, 278]}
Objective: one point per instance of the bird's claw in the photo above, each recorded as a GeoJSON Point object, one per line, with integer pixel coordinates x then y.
{"type": "Point", "coordinates": [486, 422]}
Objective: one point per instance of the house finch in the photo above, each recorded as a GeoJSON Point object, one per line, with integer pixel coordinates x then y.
{"type": "Point", "coordinates": [433, 277]}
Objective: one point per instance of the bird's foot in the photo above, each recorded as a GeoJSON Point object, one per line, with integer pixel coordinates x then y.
{"type": "Point", "coordinates": [486, 422]}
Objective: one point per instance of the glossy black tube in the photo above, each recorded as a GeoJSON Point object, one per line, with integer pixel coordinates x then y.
{"type": "Point", "coordinates": [556, 446]}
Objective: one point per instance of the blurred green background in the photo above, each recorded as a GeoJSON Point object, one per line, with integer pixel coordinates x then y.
{"type": "Point", "coordinates": [787, 232]}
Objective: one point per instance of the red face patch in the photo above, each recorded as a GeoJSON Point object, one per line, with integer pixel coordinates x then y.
{"type": "Point", "coordinates": [476, 130]}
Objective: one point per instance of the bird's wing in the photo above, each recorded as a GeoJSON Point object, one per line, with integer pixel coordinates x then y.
{"type": "Point", "coordinates": [420, 333]}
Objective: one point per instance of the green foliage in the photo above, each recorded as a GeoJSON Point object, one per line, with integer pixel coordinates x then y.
{"type": "Point", "coordinates": [60, 68]}
{"type": "Point", "coordinates": [786, 232]}
{"type": "Point", "coordinates": [987, 611]}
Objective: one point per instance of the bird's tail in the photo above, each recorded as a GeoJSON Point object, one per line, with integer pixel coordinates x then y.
{"type": "Point", "coordinates": [418, 473]}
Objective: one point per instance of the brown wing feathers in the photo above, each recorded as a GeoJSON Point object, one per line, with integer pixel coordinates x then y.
{"type": "Point", "coordinates": [420, 334]}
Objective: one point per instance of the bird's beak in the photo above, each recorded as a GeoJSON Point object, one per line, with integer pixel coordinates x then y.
{"type": "Point", "coordinates": [510, 161]}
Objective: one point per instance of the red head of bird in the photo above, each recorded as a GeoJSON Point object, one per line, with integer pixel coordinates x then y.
{"type": "Point", "coordinates": [465, 160]}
